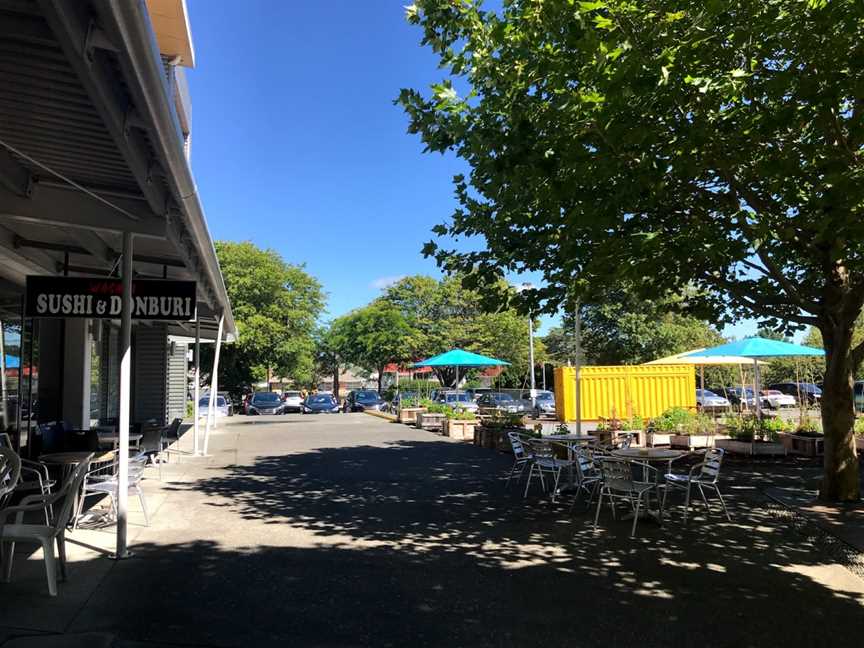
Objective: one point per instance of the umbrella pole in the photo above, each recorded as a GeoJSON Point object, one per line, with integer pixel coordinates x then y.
{"type": "Point", "coordinates": [756, 396]}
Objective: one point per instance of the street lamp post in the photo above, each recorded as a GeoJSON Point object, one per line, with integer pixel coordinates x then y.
{"type": "Point", "coordinates": [530, 286]}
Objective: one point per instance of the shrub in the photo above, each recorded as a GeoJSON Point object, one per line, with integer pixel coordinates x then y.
{"type": "Point", "coordinates": [460, 415]}
{"type": "Point", "coordinates": [812, 428]}
{"type": "Point", "coordinates": [859, 426]}
{"type": "Point", "coordinates": [503, 420]}
{"type": "Point", "coordinates": [675, 419]}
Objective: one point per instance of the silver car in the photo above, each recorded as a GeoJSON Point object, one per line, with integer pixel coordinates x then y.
{"type": "Point", "coordinates": [544, 402]}
{"type": "Point", "coordinates": [221, 407]}
{"type": "Point", "coordinates": [458, 400]}
{"type": "Point", "coordinates": [292, 401]}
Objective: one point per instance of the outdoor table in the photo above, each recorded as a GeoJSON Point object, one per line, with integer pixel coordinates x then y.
{"type": "Point", "coordinates": [649, 456]}
{"type": "Point", "coordinates": [114, 439]}
{"type": "Point", "coordinates": [67, 462]}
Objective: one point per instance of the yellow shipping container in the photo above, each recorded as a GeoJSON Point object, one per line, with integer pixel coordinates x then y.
{"type": "Point", "coordinates": [624, 391]}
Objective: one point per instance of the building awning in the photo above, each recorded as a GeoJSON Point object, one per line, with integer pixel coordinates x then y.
{"type": "Point", "coordinates": [92, 146]}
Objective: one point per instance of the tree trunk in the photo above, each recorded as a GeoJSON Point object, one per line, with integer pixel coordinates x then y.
{"type": "Point", "coordinates": [336, 385]}
{"type": "Point", "coordinates": [840, 481]}
{"type": "Point", "coordinates": [380, 379]}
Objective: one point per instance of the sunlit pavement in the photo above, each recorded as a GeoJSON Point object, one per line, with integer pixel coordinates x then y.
{"type": "Point", "coordinates": [345, 530]}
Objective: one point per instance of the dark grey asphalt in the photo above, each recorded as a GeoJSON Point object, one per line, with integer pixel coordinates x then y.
{"type": "Point", "coordinates": [350, 531]}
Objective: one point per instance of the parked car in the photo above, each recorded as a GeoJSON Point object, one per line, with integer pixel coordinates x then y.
{"type": "Point", "coordinates": [320, 404]}
{"type": "Point", "coordinates": [221, 407]}
{"type": "Point", "coordinates": [264, 403]}
{"type": "Point", "coordinates": [292, 401]}
{"type": "Point", "coordinates": [228, 400]}
{"type": "Point", "coordinates": [503, 402]}
{"type": "Point", "coordinates": [775, 399]}
{"type": "Point", "coordinates": [544, 402]}
{"type": "Point", "coordinates": [457, 400]}
{"type": "Point", "coordinates": [858, 395]}
{"type": "Point", "coordinates": [477, 392]}
{"type": "Point", "coordinates": [708, 401]}
{"type": "Point", "coordinates": [809, 392]}
{"type": "Point", "coordinates": [360, 400]}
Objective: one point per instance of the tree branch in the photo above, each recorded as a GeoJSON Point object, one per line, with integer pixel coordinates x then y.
{"type": "Point", "coordinates": [758, 303]}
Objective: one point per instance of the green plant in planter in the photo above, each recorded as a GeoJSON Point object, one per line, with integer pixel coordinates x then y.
{"type": "Point", "coordinates": [809, 427]}
{"type": "Point", "coordinates": [503, 420]}
{"type": "Point", "coordinates": [859, 426]}
{"type": "Point", "coordinates": [742, 428]}
{"type": "Point", "coordinates": [772, 427]}
{"type": "Point", "coordinates": [460, 415]}
{"type": "Point", "coordinates": [674, 420]}
{"type": "Point", "coordinates": [633, 423]}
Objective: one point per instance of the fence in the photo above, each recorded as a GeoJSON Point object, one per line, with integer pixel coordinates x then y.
{"type": "Point", "coordinates": [624, 391]}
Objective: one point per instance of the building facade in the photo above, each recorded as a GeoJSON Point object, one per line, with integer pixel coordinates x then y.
{"type": "Point", "coordinates": [95, 138]}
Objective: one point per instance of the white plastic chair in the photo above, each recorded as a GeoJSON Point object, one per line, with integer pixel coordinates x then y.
{"type": "Point", "coordinates": [523, 457]}
{"type": "Point", "coordinates": [34, 475]}
{"type": "Point", "coordinates": [618, 483]}
{"type": "Point", "coordinates": [42, 534]}
{"type": "Point", "coordinates": [545, 461]}
{"type": "Point", "coordinates": [10, 473]}
{"type": "Point", "coordinates": [703, 475]}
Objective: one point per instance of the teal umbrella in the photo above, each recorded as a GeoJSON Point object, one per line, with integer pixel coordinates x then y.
{"type": "Point", "coordinates": [460, 358]}
{"type": "Point", "coordinates": [758, 347]}
{"type": "Point", "coordinates": [755, 348]}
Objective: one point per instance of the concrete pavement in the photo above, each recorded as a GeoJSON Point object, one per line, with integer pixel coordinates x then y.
{"type": "Point", "coordinates": [347, 530]}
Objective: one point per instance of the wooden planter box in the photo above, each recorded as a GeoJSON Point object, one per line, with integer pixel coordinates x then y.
{"type": "Point", "coordinates": [691, 441]}
{"type": "Point", "coordinates": [461, 430]}
{"type": "Point", "coordinates": [746, 448]}
{"type": "Point", "coordinates": [427, 421]}
{"type": "Point", "coordinates": [659, 438]}
{"type": "Point", "coordinates": [808, 446]}
{"type": "Point", "coordinates": [494, 438]}
{"type": "Point", "coordinates": [408, 415]}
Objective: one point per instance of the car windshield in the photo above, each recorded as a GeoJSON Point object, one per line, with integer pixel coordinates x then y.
{"type": "Point", "coordinates": [366, 396]}
{"type": "Point", "coordinates": [705, 392]}
{"type": "Point", "coordinates": [205, 402]}
{"type": "Point", "coordinates": [502, 397]}
{"type": "Point", "coordinates": [545, 396]}
{"type": "Point", "coordinates": [292, 394]}
{"type": "Point", "coordinates": [321, 399]}
{"type": "Point", "coordinates": [771, 392]}
{"type": "Point", "coordinates": [458, 398]}
{"type": "Point", "coordinates": [265, 397]}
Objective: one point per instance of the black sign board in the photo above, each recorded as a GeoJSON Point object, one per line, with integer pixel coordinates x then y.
{"type": "Point", "coordinates": [100, 298]}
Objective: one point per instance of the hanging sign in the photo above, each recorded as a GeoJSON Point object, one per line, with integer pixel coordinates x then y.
{"type": "Point", "coordinates": [101, 298]}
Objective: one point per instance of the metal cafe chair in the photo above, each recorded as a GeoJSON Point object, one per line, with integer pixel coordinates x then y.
{"type": "Point", "coordinates": [545, 461]}
{"type": "Point", "coordinates": [618, 484]}
{"type": "Point", "coordinates": [703, 475]}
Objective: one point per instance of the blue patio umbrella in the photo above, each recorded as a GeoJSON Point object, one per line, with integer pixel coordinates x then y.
{"type": "Point", "coordinates": [755, 348]}
{"type": "Point", "coordinates": [460, 358]}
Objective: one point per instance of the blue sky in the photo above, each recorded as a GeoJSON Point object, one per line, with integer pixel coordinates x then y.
{"type": "Point", "coordinates": [297, 146]}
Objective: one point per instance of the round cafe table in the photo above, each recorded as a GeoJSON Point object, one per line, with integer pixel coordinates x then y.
{"type": "Point", "coordinates": [68, 460]}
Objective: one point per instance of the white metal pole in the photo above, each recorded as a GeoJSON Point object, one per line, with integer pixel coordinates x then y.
{"type": "Point", "coordinates": [578, 353]}
{"type": "Point", "coordinates": [214, 384]}
{"type": "Point", "coordinates": [757, 387]}
{"type": "Point", "coordinates": [197, 389]}
{"type": "Point", "coordinates": [125, 384]}
{"type": "Point", "coordinates": [531, 361]}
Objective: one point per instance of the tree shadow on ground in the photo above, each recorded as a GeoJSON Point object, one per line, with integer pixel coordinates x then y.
{"type": "Point", "coordinates": [418, 543]}
{"type": "Point", "coordinates": [432, 522]}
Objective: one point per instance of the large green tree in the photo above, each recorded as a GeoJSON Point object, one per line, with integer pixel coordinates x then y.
{"type": "Point", "coordinates": [276, 306]}
{"type": "Point", "coordinates": [372, 337]}
{"type": "Point", "coordinates": [620, 328]}
{"type": "Point", "coordinates": [445, 315]}
{"type": "Point", "coordinates": [673, 143]}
